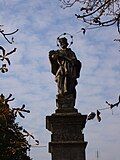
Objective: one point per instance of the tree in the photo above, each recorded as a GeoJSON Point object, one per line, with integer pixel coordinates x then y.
{"type": "Point", "coordinates": [96, 13]}
{"type": "Point", "coordinates": [13, 143]}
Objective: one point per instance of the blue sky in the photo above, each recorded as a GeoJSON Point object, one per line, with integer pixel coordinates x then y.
{"type": "Point", "coordinates": [31, 83]}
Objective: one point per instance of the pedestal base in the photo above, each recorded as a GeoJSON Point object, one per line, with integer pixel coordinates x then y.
{"type": "Point", "coordinates": [67, 151]}
{"type": "Point", "coordinates": [67, 139]}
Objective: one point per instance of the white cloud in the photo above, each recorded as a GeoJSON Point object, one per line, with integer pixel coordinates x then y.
{"type": "Point", "coordinates": [30, 80]}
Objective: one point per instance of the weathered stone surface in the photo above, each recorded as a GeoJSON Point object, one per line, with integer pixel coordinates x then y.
{"type": "Point", "coordinates": [67, 139]}
{"type": "Point", "coordinates": [66, 124]}
{"type": "Point", "coordinates": [67, 151]}
{"type": "Point", "coordinates": [66, 68]}
{"type": "Point", "coordinates": [64, 102]}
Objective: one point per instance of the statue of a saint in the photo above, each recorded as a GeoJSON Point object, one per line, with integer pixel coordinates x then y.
{"type": "Point", "coordinates": [66, 68]}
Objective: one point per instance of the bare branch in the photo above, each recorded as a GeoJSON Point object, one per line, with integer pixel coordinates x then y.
{"type": "Point", "coordinates": [8, 34]}
{"type": "Point", "coordinates": [101, 13]}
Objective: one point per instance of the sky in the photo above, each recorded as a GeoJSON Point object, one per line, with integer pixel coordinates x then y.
{"type": "Point", "coordinates": [31, 82]}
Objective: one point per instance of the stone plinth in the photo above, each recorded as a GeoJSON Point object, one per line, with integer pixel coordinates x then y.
{"type": "Point", "coordinates": [67, 139]}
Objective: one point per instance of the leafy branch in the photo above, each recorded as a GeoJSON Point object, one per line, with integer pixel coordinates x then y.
{"type": "Point", "coordinates": [4, 100]}
{"type": "Point", "coordinates": [27, 134]}
{"type": "Point", "coordinates": [19, 111]}
{"type": "Point", "coordinates": [3, 57]}
{"type": "Point", "coordinates": [10, 133]}
{"type": "Point", "coordinates": [13, 144]}
{"type": "Point", "coordinates": [92, 115]}
{"type": "Point", "coordinates": [100, 13]}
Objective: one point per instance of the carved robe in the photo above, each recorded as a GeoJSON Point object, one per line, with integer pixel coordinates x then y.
{"type": "Point", "coordinates": [66, 68]}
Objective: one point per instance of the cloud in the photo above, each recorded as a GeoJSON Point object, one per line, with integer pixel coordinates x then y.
{"type": "Point", "coordinates": [30, 81]}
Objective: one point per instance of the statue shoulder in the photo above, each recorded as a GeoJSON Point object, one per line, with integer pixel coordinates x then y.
{"type": "Point", "coordinates": [53, 52]}
{"type": "Point", "coordinates": [71, 54]}
{"type": "Point", "coordinates": [71, 51]}
{"type": "Point", "coordinates": [53, 55]}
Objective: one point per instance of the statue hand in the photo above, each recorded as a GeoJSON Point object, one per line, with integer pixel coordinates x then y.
{"type": "Point", "coordinates": [55, 56]}
{"type": "Point", "coordinates": [52, 54]}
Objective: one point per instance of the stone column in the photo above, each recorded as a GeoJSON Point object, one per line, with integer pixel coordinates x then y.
{"type": "Point", "coordinates": [66, 124]}
{"type": "Point", "coordinates": [67, 139]}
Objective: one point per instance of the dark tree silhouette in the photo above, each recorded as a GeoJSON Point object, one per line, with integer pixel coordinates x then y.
{"type": "Point", "coordinates": [3, 54]}
{"type": "Point", "coordinates": [13, 143]}
{"type": "Point", "coordinates": [92, 115]}
{"type": "Point", "coordinates": [96, 13]}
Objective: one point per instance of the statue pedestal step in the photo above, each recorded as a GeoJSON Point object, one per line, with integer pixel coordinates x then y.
{"type": "Point", "coordinates": [67, 139]}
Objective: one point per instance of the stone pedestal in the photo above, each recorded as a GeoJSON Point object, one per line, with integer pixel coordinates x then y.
{"type": "Point", "coordinates": [67, 139]}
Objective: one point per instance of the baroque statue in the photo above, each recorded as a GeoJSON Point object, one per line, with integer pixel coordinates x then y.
{"type": "Point", "coordinates": [66, 68]}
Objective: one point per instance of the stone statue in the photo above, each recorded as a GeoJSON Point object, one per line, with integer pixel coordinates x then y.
{"type": "Point", "coordinates": [66, 68]}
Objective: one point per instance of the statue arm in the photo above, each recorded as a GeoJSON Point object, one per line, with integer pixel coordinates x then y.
{"type": "Point", "coordinates": [71, 58]}
{"type": "Point", "coordinates": [53, 61]}
{"type": "Point", "coordinates": [78, 66]}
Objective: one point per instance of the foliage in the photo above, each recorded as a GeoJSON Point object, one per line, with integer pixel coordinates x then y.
{"type": "Point", "coordinates": [13, 143]}
{"type": "Point", "coordinates": [4, 57]}
{"type": "Point", "coordinates": [3, 54]}
{"type": "Point", "coordinates": [92, 115]}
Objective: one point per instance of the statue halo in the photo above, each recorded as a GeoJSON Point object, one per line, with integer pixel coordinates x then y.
{"type": "Point", "coordinates": [65, 35]}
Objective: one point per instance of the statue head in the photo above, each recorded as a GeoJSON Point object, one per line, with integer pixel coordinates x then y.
{"type": "Point", "coordinates": [63, 42]}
